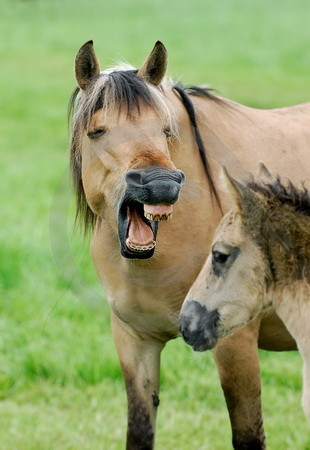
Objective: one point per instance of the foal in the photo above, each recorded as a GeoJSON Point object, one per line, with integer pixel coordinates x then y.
{"type": "Point", "coordinates": [260, 258]}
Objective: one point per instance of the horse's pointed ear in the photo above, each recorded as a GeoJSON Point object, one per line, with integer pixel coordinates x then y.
{"type": "Point", "coordinates": [155, 65]}
{"type": "Point", "coordinates": [86, 65]}
{"type": "Point", "coordinates": [241, 195]}
{"type": "Point", "coordinates": [264, 174]}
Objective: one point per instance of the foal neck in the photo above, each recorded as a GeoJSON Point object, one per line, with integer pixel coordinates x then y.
{"type": "Point", "coordinates": [287, 241]}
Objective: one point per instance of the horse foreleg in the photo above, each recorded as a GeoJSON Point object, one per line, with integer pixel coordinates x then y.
{"type": "Point", "coordinates": [302, 337]}
{"type": "Point", "coordinates": [237, 361]}
{"type": "Point", "coordinates": [306, 387]}
{"type": "Point", "coordinates": [140, 359]}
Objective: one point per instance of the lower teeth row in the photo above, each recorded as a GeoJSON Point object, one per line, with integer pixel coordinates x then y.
{"type": "Point", "coordinates": [140, 248]}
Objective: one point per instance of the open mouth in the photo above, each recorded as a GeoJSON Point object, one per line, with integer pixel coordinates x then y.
{"type": "Point", "coordinates": [138, 224]}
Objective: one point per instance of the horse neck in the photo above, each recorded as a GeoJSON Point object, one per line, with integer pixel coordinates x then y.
{"type": "Point", "coordinates": [220, 124]}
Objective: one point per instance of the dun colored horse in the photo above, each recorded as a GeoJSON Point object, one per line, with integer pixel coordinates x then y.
{"type": "Point", "coordinates": [260, 258]}
{"type": "Point", "coordinates": [136, 135]}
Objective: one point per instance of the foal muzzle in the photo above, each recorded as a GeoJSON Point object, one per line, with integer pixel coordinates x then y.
{"type": "Point", "coordinates": [198, 325]}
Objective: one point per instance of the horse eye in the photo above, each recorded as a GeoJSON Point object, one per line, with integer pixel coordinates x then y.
{"type": "Point", "coordinates": [167, 132]}
{"type": "Point", "coordinates": [96, 133]}
{"type": "Point", "coordinates": [219, 257]}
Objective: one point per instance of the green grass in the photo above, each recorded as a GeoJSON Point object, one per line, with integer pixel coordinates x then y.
{"type": "Point", "coordinates": [60, 382]}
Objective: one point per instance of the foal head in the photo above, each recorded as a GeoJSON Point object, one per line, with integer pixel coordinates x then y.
{"type": "Point", "coordinates": [261, 246]}
{"type": "Point", "coordinates": [123, 131]}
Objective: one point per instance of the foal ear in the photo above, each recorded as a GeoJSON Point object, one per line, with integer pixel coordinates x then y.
{"type": "Point", "coordinates": [263, 174]}
{"type": "Point", "coordinates": [240, 194]}
{"type": "Point", "coordinates": [155, 65]}
{"type": "Point", "coordinates": [86, 65]}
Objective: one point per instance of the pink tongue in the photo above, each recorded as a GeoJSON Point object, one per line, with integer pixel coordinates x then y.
{"type": "Point", "coordinates": [158, 209]}
{"type": "Point", "coordinates": [139, 233]}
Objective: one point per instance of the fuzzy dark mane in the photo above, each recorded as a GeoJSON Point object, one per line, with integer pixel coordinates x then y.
{"type": "Point", "coordinates": [203, 91]}
{"type": "Point", "coordinates": [123, 89]}
{"type": "Point", "coordinates": [298, 199]}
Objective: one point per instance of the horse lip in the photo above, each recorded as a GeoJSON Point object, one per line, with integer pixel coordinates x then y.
{"type": "Point", "coordinates": [123, 227]}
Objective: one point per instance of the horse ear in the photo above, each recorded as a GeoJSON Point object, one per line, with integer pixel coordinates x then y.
{"type": "Point", "coordinates": [86, 65]}
{"type": "Point", "coordinates": [155, 65]}
{"type": "Point", "coordinates": [241, 195]}
{"type": "Point", "coordinates": [263, 174]}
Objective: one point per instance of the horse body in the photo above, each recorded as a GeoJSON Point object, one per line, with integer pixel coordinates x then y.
{"type": "Point", "coordinates": [146, 294]}
{"type": "Point", "coordinates": [158, 287]}
{"type": "Point", "coordinates": [260, 258]}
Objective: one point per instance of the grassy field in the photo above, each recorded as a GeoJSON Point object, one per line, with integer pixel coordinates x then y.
{"type": "Point", "coordinates": [60, 382]}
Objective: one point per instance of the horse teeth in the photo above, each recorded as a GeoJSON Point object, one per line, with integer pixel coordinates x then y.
{"type": "Point", "coordinates": [140, 248]}
{"type": "Point", "coordinates": [158, 217]}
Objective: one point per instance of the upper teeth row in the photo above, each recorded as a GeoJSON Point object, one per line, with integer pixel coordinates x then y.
{"type": "Point", "coordinates": [140, 248]}
{"type": "Point", "coordinates": [158, 217]}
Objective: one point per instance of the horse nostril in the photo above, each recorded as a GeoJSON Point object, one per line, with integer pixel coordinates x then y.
{"type": "Point", "coordinates": [134, 177]}
{"type": "Point", "coordinates": [183, 330]}
{"type": "Point", "coordinates": [183, 334]}
{"type": "Point", "coordinates": [181, 176]}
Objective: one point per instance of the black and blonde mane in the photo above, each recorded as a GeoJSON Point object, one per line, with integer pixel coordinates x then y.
{"type": "Point", "coordinates": [122, 88]}
{"type": "Point", "coordinates": [277, 191]}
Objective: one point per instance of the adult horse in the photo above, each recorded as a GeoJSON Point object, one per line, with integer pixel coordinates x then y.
{"type": "Point", "coordinates": [134, 136]}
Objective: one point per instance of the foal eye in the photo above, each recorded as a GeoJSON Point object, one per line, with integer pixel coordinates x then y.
{"type": "Point", "coordinates": [219, 257]}
{"type": "Point", "coordinates": [94, 134]}
{"type": "Point", "coordinates": [167, 132]}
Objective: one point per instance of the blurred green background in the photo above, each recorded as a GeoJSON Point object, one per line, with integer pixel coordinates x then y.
{"type": "Point", "coordinates": [60, 382]}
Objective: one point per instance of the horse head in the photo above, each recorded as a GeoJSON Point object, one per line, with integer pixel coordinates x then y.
{"type": "Point", "coordinates": [123, 132]}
